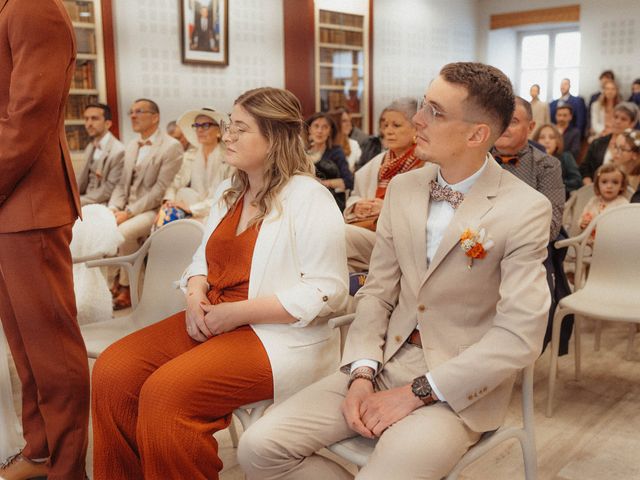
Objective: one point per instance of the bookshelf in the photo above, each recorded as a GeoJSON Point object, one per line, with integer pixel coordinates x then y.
{"type": "Point", "coordinates": [342, 62]}
{"type": "Point", "coordinates": [88, 84]}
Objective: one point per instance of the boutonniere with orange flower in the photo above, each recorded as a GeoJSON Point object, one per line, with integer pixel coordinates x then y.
{"type": "Point", "coordinates": [475, 244]}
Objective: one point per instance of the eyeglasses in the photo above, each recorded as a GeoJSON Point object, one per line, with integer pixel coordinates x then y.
{"type": "Point", "coordinates": [231, 130]}
{"type": "Point", "coordinates": [430, 112]}
{"type": "Point", "coordinates": [204, 126]}
{"type": "Point", "coordinates": [139, 111]}
{"type": "Point", "coordinates": [618, 149]}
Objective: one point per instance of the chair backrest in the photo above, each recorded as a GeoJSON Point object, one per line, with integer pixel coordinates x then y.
{"type": "Point", "coordinates": [573, 209]}
{"type": "Point", "coordinates": [170, 250]}
{"type": "Point", "coordinates": [616, 249]}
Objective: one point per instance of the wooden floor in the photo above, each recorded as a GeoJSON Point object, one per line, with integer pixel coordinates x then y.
{"type": "Point", "coordinates": [593, 435]}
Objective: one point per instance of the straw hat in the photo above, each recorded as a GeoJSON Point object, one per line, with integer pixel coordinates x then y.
{"type": "Point", "coordinates": [188, 118]}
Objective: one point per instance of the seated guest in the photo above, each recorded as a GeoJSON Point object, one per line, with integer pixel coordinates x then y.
{"type": "Point", "coordinates": [174, 130]}
{"type": "Point", "coordinates": [605, 76]}
{"type": "Point", "coordinates": [536, 168]}
{"type": "Point", "coordinates": [330, 163]}
{"type": "Point", "coordinates": [551, 139]}
{"type": "Point", "coordinates": [635, 92]}
{"type": "Point", "coordinates": [580, 113]}
{"type": "Point", "coordinates": [151, 161]}
{"type": "Point", "coordinates": [570, 135]}
{"type": "Point", "coordinates": [371, 181]}
{"type": "Point", "coordinates": [103, 157]}
{"type": "Point", "coordinates": [268, 268]}
{"type": "Point", "coordinates": [539, 109]}
{"type": "Point", "coordinates": [441, 329]}
{"type": "Point", "coordinates": [351, 148]}
{"type": "Point", "coordinates": [601, 150]}
{"type": "Point", "coordinates": [627, 156]}
{"type": "Point", "coordinates": [602, 111]}
{"type": "Point", "coordinates": [373, 146]}
{"type": "Point", "coordinates": [193, 187]}
{"type": "Point", "coordinates": [610, 186]}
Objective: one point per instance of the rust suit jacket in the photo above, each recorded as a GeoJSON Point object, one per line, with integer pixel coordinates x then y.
{"type": "Point", "coordinates": [37, 184]}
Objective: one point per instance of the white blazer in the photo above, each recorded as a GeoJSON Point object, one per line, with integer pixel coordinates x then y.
{"type": "Point", "coordinates": [300, 257]}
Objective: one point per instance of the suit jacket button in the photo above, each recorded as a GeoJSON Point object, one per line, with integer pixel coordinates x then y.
{"type": "Point", "coordinates": [325, 298]}
{"type": "Point", "coordinates": [421, 308]}
{"type": "Point", "coordinates": [470, 397]}
{"type": "Point", "coordinates": [398, 338]}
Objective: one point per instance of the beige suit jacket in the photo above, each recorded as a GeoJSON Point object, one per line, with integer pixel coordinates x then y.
{"type": "Point", "coordinates": [110, 165]}
{"type": "Point", "coordinates": [479, 325]}
{"type": "Point", "coordinates": [157, 170]}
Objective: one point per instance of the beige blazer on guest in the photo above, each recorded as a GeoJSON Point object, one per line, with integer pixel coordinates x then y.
{"type": "Point", "coordinates": [479, 325]}
{"type": "Point", "coordinates": [299, 257]}
{"type": "Point", "coordinates": [158, 169]}
{"type": "Point", "coordinates": [110, 165]}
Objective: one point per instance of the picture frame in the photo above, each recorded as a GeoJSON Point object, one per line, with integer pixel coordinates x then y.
{"type": "Point", "coordinates": [204, 31]}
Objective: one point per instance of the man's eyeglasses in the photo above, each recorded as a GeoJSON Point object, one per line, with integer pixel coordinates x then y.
{"type": "Point", "coordinates": [139, 111]}
{"type": "Point", "coordinates": [618, 149]}
{"type": "Point", "coordinates": [204, 125]}
{"type": "Point", "coordinates": [430, 112]}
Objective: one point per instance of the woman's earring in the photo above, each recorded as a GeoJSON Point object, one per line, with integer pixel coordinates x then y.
{"type": "Point", "coordinates": [415, 139]}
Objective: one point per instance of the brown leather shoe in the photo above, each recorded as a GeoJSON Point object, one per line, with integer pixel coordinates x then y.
{"type": "Point", "coordinates": [19, 467]}
{"type": "Point", "coordinates": [123, 299]}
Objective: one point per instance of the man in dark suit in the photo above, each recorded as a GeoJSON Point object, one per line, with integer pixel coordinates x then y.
{"type": "Point", "coordinates": [577, 104]}
{"type": "Point", "coordinates": [204, 37]}
{"type": "Point", "coordinates": [38, 205]}
{"type": "Point", "coordinates": [103, 157]}
{"type": "Point", "coordinates": [570, 134]}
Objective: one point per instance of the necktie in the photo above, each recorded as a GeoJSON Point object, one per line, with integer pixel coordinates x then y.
{"type": "Point", "coordinates": [503, 159]}
{"type": "Point", "coordinates": [446, 194]}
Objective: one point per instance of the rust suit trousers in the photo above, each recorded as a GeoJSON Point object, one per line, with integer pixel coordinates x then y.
{"type": "Point", "coordinates": [38, 313]}
{"type": "Point", "coordinates": [158, 396]}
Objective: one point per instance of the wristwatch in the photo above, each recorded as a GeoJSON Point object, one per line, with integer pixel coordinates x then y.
{"type": "Point", "coordinates": [422, 389]}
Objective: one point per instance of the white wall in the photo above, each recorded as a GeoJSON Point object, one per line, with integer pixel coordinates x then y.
{"type": "Point", "coordinates": [148, 58]}
{"type": "Point", "coordinates": [413, 39]}
{"type": "Point", "coordinates": [610, 32]}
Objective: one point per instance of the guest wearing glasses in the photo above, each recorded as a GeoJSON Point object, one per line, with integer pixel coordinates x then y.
{"type": "Point", "coordinates": [151, 161]}
{"type": "Point", "coordinates": [267, 274]}
{"type": "Point", "coordinates": [193, 188]}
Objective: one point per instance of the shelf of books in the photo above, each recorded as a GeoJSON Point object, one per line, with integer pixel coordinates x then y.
{"type": "Point", "coordinates": [342, 72]}
{"type": "Point", "coordinates": [88, 84]}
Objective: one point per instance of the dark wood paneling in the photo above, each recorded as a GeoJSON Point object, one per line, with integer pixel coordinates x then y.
{"type": "Point", "coordinates": [299, 52]}
{"type": "Point", "coordinates": [570, 13]}
{"type": "Point", "coordinates": [110, 63]}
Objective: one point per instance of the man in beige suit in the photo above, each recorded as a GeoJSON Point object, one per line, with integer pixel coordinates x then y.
{"type": "Point", "coordinates": [150, 162]}
{"type": "Point", "coordinates": [454, 306]}
{"type": "Point", "coordinates": [104, 157]}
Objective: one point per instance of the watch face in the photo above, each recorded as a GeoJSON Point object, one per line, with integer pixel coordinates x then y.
{"type": "Point", "coordinates": [421, 387]}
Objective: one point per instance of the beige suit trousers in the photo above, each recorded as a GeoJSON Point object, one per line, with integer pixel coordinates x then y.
{"type": "Point", "coordinates": [360, 242]}
{"type": "Point", "coordinates": [135, 231]}
{"type": "Point", "coordinates": [424, 445]}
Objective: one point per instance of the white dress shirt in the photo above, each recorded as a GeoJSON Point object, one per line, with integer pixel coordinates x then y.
{"type": "Point", "coordinates": [144, 150]}
{"type": "Point", "coordinates": [440, 215]}
{"type": "Point", "coordinates": [102, 144]}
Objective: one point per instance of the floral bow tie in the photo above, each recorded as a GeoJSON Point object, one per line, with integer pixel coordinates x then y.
{"type": "Point", "coordinates": [446, 194]}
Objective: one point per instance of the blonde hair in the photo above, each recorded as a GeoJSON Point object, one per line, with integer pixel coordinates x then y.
{"type": "Point", "coordinates": [278, 115]}
{"type": "Point", "coordinates": [609, 168]}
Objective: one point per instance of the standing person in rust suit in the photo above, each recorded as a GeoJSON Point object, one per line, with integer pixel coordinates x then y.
{"type": "Point", "coordinates": [38, 205]}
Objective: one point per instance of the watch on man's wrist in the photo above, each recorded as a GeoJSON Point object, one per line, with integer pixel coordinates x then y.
{"type": "Point", "coordinates": [421, 388]}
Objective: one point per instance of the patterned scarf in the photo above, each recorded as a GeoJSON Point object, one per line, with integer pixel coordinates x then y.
{"type": "Point", "coordinates": [393, 165]}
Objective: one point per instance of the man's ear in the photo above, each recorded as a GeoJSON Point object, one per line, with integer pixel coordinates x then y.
{"type": "Point", "coordinates": [532, 125]}
{"type": "Point", "coordinates": [479, 135]}
{"type": "Point", "coordinates": [108, 124]}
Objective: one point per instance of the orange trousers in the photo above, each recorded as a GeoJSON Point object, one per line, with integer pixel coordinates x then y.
{"type": "Point", "coordinates": [158, 396]}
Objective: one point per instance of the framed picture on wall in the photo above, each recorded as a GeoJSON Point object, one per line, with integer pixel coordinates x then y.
{"type": "Point", "coordinates": [204, 27]}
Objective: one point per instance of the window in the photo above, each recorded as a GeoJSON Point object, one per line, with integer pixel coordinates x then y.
{"type": "Point", "coordinates": [545, 58]}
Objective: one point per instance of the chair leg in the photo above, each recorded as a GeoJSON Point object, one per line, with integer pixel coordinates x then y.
{"type": "Point", "coordinates": [553, 365]}
{"type": "Point", "coordinates": [577, 330]}
{"type": "Point", "coordinates": [598, 334]}
{"type": "Point", "coordinates": [530, 459]}
{"type": "Point", "coordinates": [234, 433]}
{"type": "Point", "coordinates": [632, 335]}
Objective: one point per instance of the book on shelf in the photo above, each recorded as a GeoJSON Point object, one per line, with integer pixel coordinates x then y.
{"type": "Point", "coordinates": [77, 104]}
{"type": "Point", "coordinates": [77, 138]}
{"type": "Point", "coordinates": [79, 11]}
{"type": "Point", "coordinates": [84, 75]}
{"type": "Point", "coordinates": [344, 19]}
{"type": "Point", "coordinates": [341, 37]}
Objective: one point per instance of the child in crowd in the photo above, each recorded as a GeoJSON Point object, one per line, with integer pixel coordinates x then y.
{"type": "Point", "coordinates": [610, 185]}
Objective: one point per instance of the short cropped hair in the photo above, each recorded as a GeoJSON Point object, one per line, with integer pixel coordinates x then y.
{"type": "Point", "coordinates": [152, 105]}
{"type": "Point", "coordinates": [489, 91]}
{"type": "Point", "coordinates": [527, 107]}
{"type": "Point", "coordinates": [628, 108]}
{"type": "Point", "coordinates": [608, 74]}
{"type": "Point", "coordinates": [106, 109]}
{"type": "Point", "coordinates": [566, 106]}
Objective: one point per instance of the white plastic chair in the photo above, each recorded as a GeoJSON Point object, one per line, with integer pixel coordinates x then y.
{"type": "Point", "coordinates": [357, 450]}
{"type": "Point", "coordinates": [610, 291]}
{"type": "Point", "coordinates": [168, 252]}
